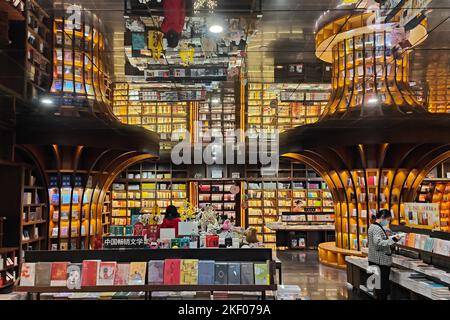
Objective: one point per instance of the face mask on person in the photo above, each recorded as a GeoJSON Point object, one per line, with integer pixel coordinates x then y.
{"type": "Point", "coordinates": [384, 223]}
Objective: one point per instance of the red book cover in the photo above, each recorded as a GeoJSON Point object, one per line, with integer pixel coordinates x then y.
{"type": "Point", "coordinates": [172, 271]}
{"type": "Point", "coordinates": [90, 272]}
{"type": "Point", "coordinates": [212, 241]}
{"type": "Point", "coordinates": [59, 274]}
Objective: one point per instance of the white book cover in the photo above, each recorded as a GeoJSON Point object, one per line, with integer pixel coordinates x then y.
{"type": "Point", "coordinates": [27, 274]}
{"type": "Point", "coordinates": [106, 274]}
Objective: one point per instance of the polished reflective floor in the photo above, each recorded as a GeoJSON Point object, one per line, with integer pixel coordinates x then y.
{"type": "Point", "coordinates": [316, 281]}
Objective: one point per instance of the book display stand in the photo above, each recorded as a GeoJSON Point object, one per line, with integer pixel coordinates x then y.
{"type": "Point", "coordinates": [145, 255]}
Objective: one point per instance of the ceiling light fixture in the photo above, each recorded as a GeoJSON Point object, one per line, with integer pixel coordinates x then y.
{"type": "Point", "coordinates": [216, 28]}
{"type": "Point", "coordinates": [372, 100]}
{"type": "Point", "coordinates": [47, 101]}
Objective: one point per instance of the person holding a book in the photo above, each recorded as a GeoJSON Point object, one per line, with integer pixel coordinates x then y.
{"type": "Point", "coordinates": [171, 219]}
{"type": "Point", "coordinates": [380, 254]}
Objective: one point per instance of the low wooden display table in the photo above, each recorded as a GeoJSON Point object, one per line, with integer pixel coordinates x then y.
{"type": "Point", "coordinates": [331, 255]}
{"type": "Point", "coordinates": [314, 234]}
{"type": "Point", "coordinates": [121, 256]}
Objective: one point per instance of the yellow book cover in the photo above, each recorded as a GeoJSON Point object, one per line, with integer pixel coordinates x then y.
{"type": "Point", "coordinates": [189, 271]}
{"type": "Point", "coordinates": [136, 275]}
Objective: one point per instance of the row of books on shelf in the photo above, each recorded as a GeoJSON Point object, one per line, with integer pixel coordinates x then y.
{"type": "Point", "coordinates": [184, 95]}
{"type": "Point", "coordinates": [287, 185]}
{"type": "Point", "coordinates": [372, 180]}
{"type": "Point", "coordinates": [161, 185]}
{"type": "Point", "coordinates": [31, 216]}
{"type": "Point", "coordinates": [217, 197]}
{"type": "Point", "coordinates": [307, 217]}
{"type": "Point", "coordinates": [155, 272]}
{"type": "Point", "coordinates": [371, 197]}
{"type": "Point", "coordinates": [301, 96]}
{"type": "Point", "coordinates": [186, 73]}
{"type": "Point", "coordinates": [426, 243]}
{"type": "Point", "coordinates": [75, 231]}
{"type": "Point", "coordinates": [26, 236]}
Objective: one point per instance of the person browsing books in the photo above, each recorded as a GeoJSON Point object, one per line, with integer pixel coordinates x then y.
{"type": "Point", "coordinates": [380, 253]}
{"type": "Point", "coordinates": [171, 219]}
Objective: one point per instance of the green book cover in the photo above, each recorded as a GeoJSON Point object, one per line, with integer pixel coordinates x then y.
{"type": "Point", "coordinates": [262, 273]}
{"type": "Point", "coordinates": [129, 230]}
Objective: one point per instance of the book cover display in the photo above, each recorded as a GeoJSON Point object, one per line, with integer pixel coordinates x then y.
{"type": "Point", "coordinates": [27, 274]}
{"type": "Point", "coordinates": [221, 273]}
{"type": "Point", "coordinates": [206, 272]}
{"type": "Point", "coordinates": [121, 278]}
{"type": "Point", "coordinates": [156, 272]}
{"type": "Point", "coordinates": [234, 273]}
{"type": "Point", "coordinates": [137, 273]}
{"type": "Point", "coordinates": [90, 272]}
{"type": "Point", "coordinates": [43, 274]}
{"type": "Point", "coordinates": [247, 273]}
{"type": "Point", "coordinates": [189, 271]}
{"type": "Point", "coordinates": [262, 274]}
{"type": "Point", "coordinates": [74, 271]}
{"type": "Point", "coordinates": [172, 268]}
{"type": "Point", "coordinates": [106, 274]}
{"type": "Point", "coordinates": [59, 274]}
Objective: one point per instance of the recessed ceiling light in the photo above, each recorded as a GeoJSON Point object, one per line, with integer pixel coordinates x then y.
{"type": "Point", "coordinates": [47, 101]}
{"type": "Point", "coordinates": [372, 100]}
{"type": "Point", "coordinates": [279, 67]}
{"type": "Point", "coordinates": [216, 28]}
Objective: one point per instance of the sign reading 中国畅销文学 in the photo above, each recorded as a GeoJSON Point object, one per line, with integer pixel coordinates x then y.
{"type": "Point", "coordinates": [123, 242]}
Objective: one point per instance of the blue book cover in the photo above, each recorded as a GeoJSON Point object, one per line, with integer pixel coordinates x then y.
{"type": "Point", "coordinates": [234, 273]}
{"type": "Point", "coordinates": [206, 272]}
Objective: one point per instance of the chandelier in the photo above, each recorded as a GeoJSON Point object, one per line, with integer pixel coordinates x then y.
{"type": "Point", "coordinates": [204, 4]}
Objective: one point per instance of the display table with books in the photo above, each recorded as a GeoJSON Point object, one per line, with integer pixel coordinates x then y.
{"type": "Point", "coordinates": [301, 236]}
{"type": "Point", "coordinates": [420, 269]}
{"type": "Point", "coordinates": [146, 271]}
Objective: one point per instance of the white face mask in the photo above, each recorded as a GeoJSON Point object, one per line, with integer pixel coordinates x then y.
{"type": "Point", "coordinates": [384, 223]}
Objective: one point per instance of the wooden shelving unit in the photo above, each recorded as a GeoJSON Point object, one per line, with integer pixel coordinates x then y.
{"type": "Point", "coordinates": [9, 267]}
{"type": "Point", "coordinates": [145, 185]}
{"type": "Point", "coordinates": [217, 194]}
{"type": "Point", "coordinates": [269, 108]}
{"type": "Point", "coordinates": [437, 191]}
{"type": "Point", "coordinates": [80, 63]}
{"type": "Point", "coordinates": [106, 213]}
{"type": "Point", "coordinates": [34, 213]}
{"type": "Point", "coordinates": [219, 113]}
{"type": "Point", "coordinates": [297, 188]}
{"type": "Point", "coordinates": [73, 211]}
{"type": "Point", "coordinates": [38, 49]}
{"type": "Point", "coordinates": [138, 106]}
